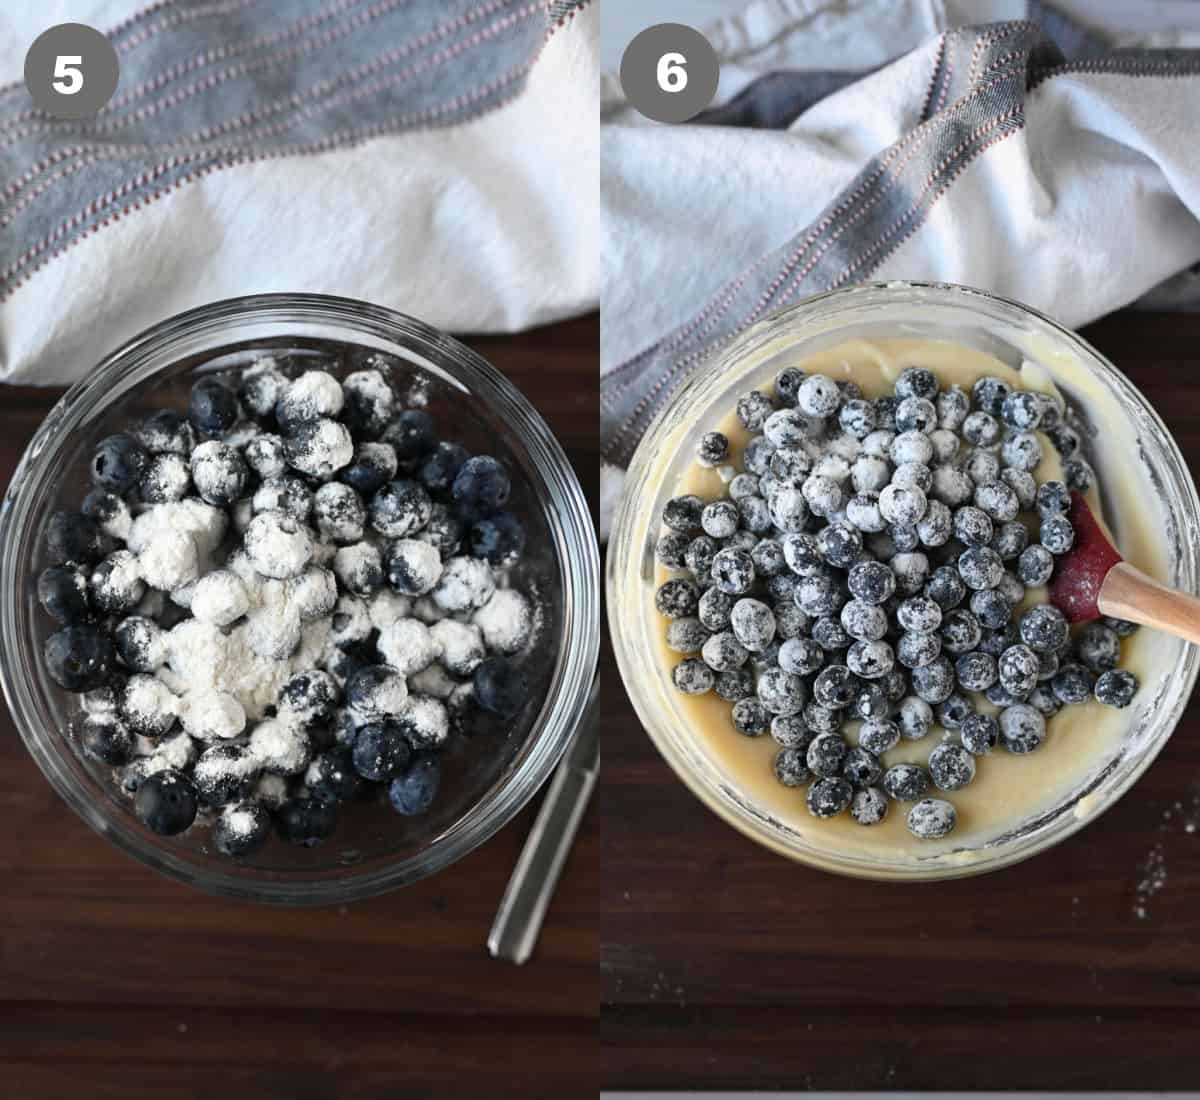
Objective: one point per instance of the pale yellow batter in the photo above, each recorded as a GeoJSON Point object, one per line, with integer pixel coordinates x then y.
{"type": "Point", "coordinates": [1007, 789]}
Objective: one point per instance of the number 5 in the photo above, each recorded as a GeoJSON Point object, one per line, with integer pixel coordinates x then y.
{"type": "Point", "coordinates": [672, 77]}
{"type": "Point", "coordinates": [65, 65]}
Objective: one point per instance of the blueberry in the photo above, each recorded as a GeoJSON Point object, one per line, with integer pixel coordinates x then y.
{"type": "Point", "coordinates": [481, 487]}
{"type": "Point", "coordinates": [723, 651]}
{"type": "Point", "coordinates": [753, 408]}
{"type": "Point", "coordinates": [381, 750]}
{"type": "Point", "coordinates": [374, 465]}
{"type": "Point", "coordinates": [750, 717]}
{"type": "Point", "coordinates": [500, 687]}
{"type": "Point", "coordinates": [713, 609]}
{"type": "Point", "coordinates": [914, 717]}
{"type": "Point", "coordinates": [166, 802]}
{"type": "Point", "coordinates": [1022, 410]}
{"type": "Point", "coordinates": [732, 571]}
{"type": "Point", "coordinates": [979, 734]}
{"type": "Point", "coordinates": [960, 631]}
{"type": "Point", "coordinates": [872, 582]}
{"type": "Point", "coordinates": [63, 593]}
{"type": "Point", "coordinates": [1021, 451]}
{"type": "Point", "coordinates": [104, 738]}
{"type": "Point", "coordinates": [224, 773]}
{"type": "Point", "coordinates": [443, 531]}
{"type": "Point", "coordinates": [869, 806]}
{"type": "Point", "coordinates": [213, 407]}
{"type": "Point", "coordinates": [499, 538]}
{"type": "Point", "coordinates": [732, 685]}
{"type": "Point", "coordinates": [826, 754]}
{"type": "Point", "coordinates": [945, 587]}
{"type": "Point", "coordinates": [787, 385]}
{"type": "Point", "coordinates": [1099, 647]}
{"type": "Point", "coordinates": [677, 599]}
{"type": "Point", "coordinates": [870, 701]}
{"type": "Point", "coordinates": [916, 414]}
{"type": "Point", "coordinates": [953, 406]}
{"type": "Point", "coordinates": [989, 394]}
{"type": "Point", "coordinates": [1056, 534]}
{"type": "Point", "coordinates": [918, 382]}
{"type": "Point", "coordinates": [413, 793]}
{"type": "Point", "coordinates": [240, 830]}
{"type": "Point", "coordinates": [1022, 728]}
{"type": "Point", "coordinates": [117, 463]}
{"type": "Point", "coordinates": [820, 594]}
{"type": "Point", "coordinates": [918, 650]}
{"type": "Point", "coordinates": [1065, 440]}
{"type": "Point", "coordinates": [781, 692]}
{"type": "Point", "coordinates": [857, 417]}
{"type": "Point", "coordinates": [878, 735]}
{"type": "Point", "coordinates": [686, 635]}
{"type": "Point", "coordinates": [1116, 688]}
{"type": "Point", "coordinates": [306, 821]}
{"type": "Point", "coordinates": [757, 455]}
{"type": "Point", "coordinates": [79, 658]}
{"type": "Point", "coordinates": [441, 466]}
{"type": "Point", "coordinates": [791, 731]}
{"type": "Point", "coordinates": [864, 622]}
{"type": "Point", "coordinates": [670, 549]}
{"type": "Point", "coordinates": [840, 545]}
{"type": "Point", "coordinates": [117, 586]}
{"type": "Point", "coordinates": [885, 413]}
{"type": "Point", "coordinates": [73, 537]}
{"type": "Point", "coordinates": [310, 697]}
{"type": "Point", "coordinates": [790, 768]}
{"type": "Point", "coordinates": [976, 671]}
{"type": "Point", "coordinates": [1079, 474]}
{"type": "Point", "coordinates": [906, 782]}
{"type": "Point", "coordinates": [744, 485]}
{"type": "Point", "coordinates": [1018, 669]}
{"type": "Point", "coordinates": [951, 767]}
{"type": "Point", "coordinates": [822, 719]}
{"type": "Point", "coordinates": [991, 608]}
{"type": "Point", "coordinates": [1122, 627]}
{"type": "Point", "coordinates": [934, 682]}
{"type": "Point", "coordinates": [1072, 683]}
{"type": "Point", "coordinates": [829, 797]}
{"type": "Point", "coordinates": [834, 687]}
{"type": "Point", "coordinates": [782, 589]}
{"type": "Point", "coordinates": [861, 767]}
{"type": "Point", "coordinates": [754, 624]}
{"type": "Point", "coordinates": [870, 660]}
{"type": "Point", "coordinates": [931, 819]}
{"type": "Point", "coordinates": [980, 429]}
{"type": "Point", "coordinates": [767, 558]}
{"type": "Point", "coordinates": [333, 777]}
{"type": "Point", "coordinates": [712, 449]}
{"type": "Point", "coordinates": [166, 432]}
{"type": "Point", "coordinates": [980, 567]}
{"type": "Point", "coordinates": [801, 656]}
{"type": "Point", "coordinates": [1035, 565]}
{"type": "Point", "coordinates": [400, 509]}
{"type": "Point", "coordinates": [1044, 629]}
{"type": "Point", "coordinates": [1010, 540]}
{"type": "Point", "coordinates": [219, 473]}
{"type": "Point", "coordinates": [919, 614]}
{"type": "Point", "coordinates": [368, 403]}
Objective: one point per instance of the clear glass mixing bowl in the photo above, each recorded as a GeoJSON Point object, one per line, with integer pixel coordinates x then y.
{"type": "Point", "coordinates": [484, 784]}
{"type": "Point", "coordinates": [1007, 330]}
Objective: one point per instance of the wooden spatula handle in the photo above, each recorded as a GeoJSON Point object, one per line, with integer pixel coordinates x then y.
{"type": "Point", "coordinates": [1127, 593]}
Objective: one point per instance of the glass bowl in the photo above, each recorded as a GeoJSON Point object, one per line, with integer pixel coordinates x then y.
{"type": "Point", "coordinates": [1012, 333]}
{"type": "Point", "coordinates": [485, 782]}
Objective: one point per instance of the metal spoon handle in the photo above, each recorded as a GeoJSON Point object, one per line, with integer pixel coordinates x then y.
{"type": "Point", "coordinates": [523, 907]}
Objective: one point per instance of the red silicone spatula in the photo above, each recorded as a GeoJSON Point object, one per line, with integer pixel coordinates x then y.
{"type": "Point", "coordinates": [1091, 580]}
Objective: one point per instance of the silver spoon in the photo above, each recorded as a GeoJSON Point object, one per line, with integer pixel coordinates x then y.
{"type": "Point", "coordinates": [523, 908]}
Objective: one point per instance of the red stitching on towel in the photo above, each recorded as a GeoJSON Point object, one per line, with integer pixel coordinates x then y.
{"type": "Point", "coordinates": [417, 120]}
{"type": "Point", "coordinates": [937, 68]}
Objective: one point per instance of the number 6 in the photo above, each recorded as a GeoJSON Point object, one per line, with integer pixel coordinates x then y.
{"type": "Point", "coordinates": [65, 66]}
{"type": "Point", "coordinates": [672, 77]}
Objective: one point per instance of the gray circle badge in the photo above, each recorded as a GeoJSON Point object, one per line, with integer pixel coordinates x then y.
{"type": "Point", "coordinates": [669, 72]}
{"type": "Point", "coordinates": [71, 71]}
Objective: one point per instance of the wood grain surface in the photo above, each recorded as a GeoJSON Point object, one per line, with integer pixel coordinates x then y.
{"type": "Point", "coordinates": [725, 966]}
{"type": "Point", "coordinates": [115, 982]}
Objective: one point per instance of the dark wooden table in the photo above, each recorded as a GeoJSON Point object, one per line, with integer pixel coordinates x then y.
{"type": "Point", "coordinates": [117, 983]}
{"type": "Point", "coordinates": [724, 966]}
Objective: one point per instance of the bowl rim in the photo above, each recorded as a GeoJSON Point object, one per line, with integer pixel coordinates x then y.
{"type": "Point", "coordinates": [622, 573]}
{"type": "Point", "coordinates": [567, 514]}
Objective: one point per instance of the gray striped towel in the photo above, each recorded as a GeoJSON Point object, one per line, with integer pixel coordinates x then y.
{"type": "Point", "coordinates": [1030, 157]}
{"type": "Point", "coordinates": [436, 156]}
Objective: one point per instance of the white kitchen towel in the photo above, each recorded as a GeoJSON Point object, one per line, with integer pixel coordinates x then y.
{"type": "Point", "coordinates": [1033, 156]}
{"type": "Point", "coordinates": [436, 156]}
